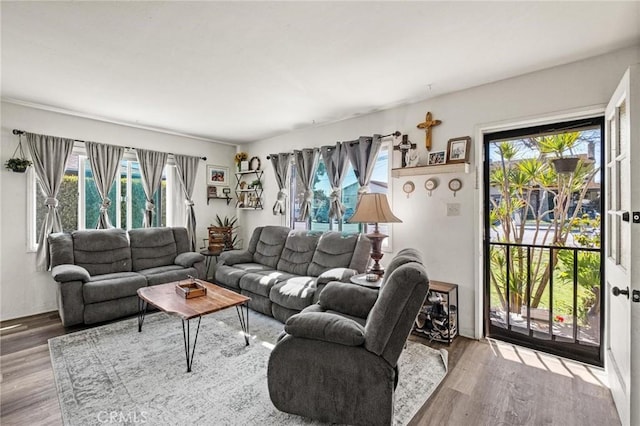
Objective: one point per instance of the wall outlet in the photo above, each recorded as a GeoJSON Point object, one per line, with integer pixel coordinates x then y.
{"type": "Point", "coordinates": [453, 209]}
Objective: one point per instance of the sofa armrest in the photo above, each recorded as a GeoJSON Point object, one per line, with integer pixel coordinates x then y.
{"type": "Point", "coordinates": [232, 257]}
{"type": "Point", "coordinates": [347, 298]}
{"type": "Point", "coordinates": [336, 274]}
{"type": "Point", "coordinates": [187, 259]}
{"type": "Point", "coordinates": [326, 327]}
{"type": "Point", "coordinates": [65, 272]}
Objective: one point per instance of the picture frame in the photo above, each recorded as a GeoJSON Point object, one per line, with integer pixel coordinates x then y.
{"type": "Point", "coordinates": [458, 150]}
{"type": "Point", "coordinates": [437, 157]}
{"type": "Point", "coordinates": [212, 192]}
{"type": "Point", "coordinates": [217, 175]}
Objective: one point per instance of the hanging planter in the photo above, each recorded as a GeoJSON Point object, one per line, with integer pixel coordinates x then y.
{"type": "Point", "coordinates": [18, 163]}
{"type": "Point", "coordinates": [565, 164]}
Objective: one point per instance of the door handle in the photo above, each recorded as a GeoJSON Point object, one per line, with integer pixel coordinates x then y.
{"type": "Point", "coordinates": [617, 292]}
{"type": "Point", "coordinates": [625, 216]}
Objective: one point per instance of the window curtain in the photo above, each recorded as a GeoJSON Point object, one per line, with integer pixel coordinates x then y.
{"type": "Point", "coordinates": [49, 155]}
{"type": "Point", "coordinates": [151, 166]}
{"type": "Point", "coordinates": [280, 164]}
{"type": "Point", "coordinates": [306, 166]}
{"type": "Point", "coordinates": [363, 154]}
{"type": "Point", "coordinates": [187, 168]}
{"type": "Point", "coordinates": [336, 162]}
{"type": "Point", "coordinates": [105, 164]}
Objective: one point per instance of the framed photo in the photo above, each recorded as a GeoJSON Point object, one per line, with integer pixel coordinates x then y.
{"type": "Point", "coordinates": [458, 150]}
{"type": "Point", "coordinates": [217, 175]}
{"type": "Point", "coordinates": [437, 157]}
{"type": "Point", "coordinates": [212, 191]}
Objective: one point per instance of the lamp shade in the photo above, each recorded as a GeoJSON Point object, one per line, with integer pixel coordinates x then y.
{"type": "Point", "coordinates": [373, 208]}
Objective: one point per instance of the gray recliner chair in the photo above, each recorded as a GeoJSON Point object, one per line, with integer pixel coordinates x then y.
{"type": "Point", "coordinates": [337, 360]}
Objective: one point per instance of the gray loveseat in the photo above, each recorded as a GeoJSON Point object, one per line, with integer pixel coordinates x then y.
{"type": "Point", "coordinates": [284, 270]}
{"type": "Point", "coordinates": [99, 271]}
{"type": "Point", "coordinates": [337, 360]}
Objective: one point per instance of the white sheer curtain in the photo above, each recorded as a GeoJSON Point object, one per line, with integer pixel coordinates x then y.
{"type": "Point", "coordinates": [280, 164]}
{"type": "Point", "coordinates": [151, 166]}
{"type": "Point", "coordinates": [306, 165]}
{"type": "Point", "coordinates": [49, 155]}
{"type": "Point", "coordinates": [105, 164]}
{"type": "Point", "coordinates": [187, 169]}
{"type": "Point", "coordinates": [336, 162]}
{"type": "Point", "coordinates": [363, 154]}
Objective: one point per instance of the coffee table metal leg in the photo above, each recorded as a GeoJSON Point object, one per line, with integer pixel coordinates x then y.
{"type": "Point", "coordinates": [189, 351]}
{"type": "Point", "coordinates": [142, 310]}
{"type": "Point", "coordinates": [244, 321]}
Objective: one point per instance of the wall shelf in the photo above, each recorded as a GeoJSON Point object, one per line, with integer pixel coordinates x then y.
{"type": "Point", "coordinates": [431, 170]}
{"type": "Point", "coordinates": [249, 198]}
{"type": "Point", "coordinates": [219, 198]}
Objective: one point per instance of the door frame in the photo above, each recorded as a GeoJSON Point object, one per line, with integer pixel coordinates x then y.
{"type": "Point", "coordinates": [505, 125]}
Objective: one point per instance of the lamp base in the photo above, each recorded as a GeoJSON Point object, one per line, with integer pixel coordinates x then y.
{"type": "Point", "coordinates": [376, 239]}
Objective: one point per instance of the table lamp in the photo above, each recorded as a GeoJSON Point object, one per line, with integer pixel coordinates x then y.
{"type": "Point", "coordinates": [374, 208]}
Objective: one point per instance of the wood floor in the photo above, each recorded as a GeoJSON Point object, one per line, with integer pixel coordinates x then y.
{"type": "Point", "coordinates": [488, 383]}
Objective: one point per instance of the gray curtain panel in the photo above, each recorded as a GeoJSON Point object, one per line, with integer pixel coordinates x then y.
{"type": "Point", "coordinates": [49, 155]}
{"type": "Point", "coordinates": [336, 161]}
{"type": "Point", "coordinates": [363, 154]}
{"type": "Point", "coordinates": [187, 168]}
{"type": "Point", "coordinates": [306, 166]}
{"type": "Point", "coordinates": [280, 164]}
{"type": "Point", "coordinates": [151, 166]}
{"type": "Point", "coordinates": [105, 163]}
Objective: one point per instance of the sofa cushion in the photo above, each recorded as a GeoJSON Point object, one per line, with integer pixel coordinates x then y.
{"type": "Point", "coordinates": [102, 251]}
{"type": "Point", "coordinates": [152, 247]}
{"type": "Point", "coordinates": [348, 298]}
{"type": "Point", "coordinates": [294, 293]}
{"type": "Point", "coordinates": [167, 274]}
{"type": "Point", "coordinates": [270, 245]}
{"type": "Point", "coordinates": [258, 283]}
{"type": "Point", "coordinates": [112, 286]}
{"type": "Point", "coordinates": [181, 238]}
{"type": "Point", "coordinates": [326, 327]}
{"type": "Point", "coordinates": [298, 251]}
{"type": "Point", "coordinates": [60, 249]}
{"type": "Point", "coordinates": [187, 259]}
{"type": "Point", "coordinates": [334, 250]}
{"type": "Point", "coordinates": [252, 267]}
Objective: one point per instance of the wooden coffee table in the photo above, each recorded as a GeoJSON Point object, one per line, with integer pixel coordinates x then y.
{"type": "Point", "coordinates": [165, 298]}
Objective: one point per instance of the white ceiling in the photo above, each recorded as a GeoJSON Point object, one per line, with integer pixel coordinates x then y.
{"type": "Point", "coordinates": [243, 71]}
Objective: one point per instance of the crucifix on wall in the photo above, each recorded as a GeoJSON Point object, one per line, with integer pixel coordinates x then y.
{"type": "Point", "coordinates": [426, 125]}
{"type": "Point", "coordinates": [404, 148]}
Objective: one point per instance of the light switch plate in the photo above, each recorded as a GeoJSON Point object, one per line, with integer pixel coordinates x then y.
{"type": "Point", "coordinates": [453, 209]}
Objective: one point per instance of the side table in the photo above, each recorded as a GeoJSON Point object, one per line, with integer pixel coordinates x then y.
{"type": "Point", "coordinates": [361, 279]}
{"type": "Point", "coordinates": [207, 260]}
{"type": "Point", "coordinates": [438, 317]}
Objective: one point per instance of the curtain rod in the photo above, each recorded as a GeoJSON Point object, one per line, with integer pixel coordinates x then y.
{"type": "Point", "coordinates": [22, 132]}
{"type": "Point", "coordinates": [394, 134]}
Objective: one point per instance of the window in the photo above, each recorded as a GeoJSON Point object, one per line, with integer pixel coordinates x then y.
{"type": "Point", "coordinates": [79, 201]}
{"type": "Point", "coordinates": [319, 219]}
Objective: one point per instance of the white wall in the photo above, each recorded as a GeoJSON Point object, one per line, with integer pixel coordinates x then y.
{"type": "Point", "coordinates": [451, 245]}
{"type": "Point", "coordinates": [23, 291]}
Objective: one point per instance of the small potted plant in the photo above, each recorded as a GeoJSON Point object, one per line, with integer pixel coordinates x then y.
{"type": "Point", "coordinates": [18, 163]}
{"type": "Point", "coordinates": [559, 145]}
{"type": "Point", "coordinates": [241, 160]}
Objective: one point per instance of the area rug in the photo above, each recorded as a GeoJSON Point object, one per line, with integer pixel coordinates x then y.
{"type": "Point", "coordinates": [114, 375]}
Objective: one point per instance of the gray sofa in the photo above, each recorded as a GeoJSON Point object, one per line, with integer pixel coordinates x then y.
{"type": "Point", "coordinates": [284, 270]}
{"type": "Point", "coordinates": [99, 271]}
{"type": "Point", "coordinates": [337, 360]}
